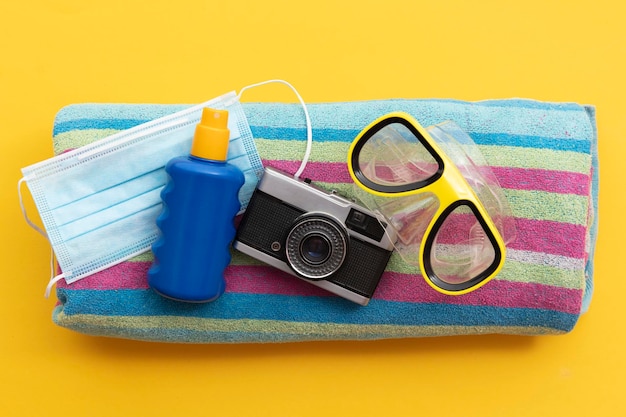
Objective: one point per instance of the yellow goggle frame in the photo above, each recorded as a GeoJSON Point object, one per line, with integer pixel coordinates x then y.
{"type": "Point", "coordinates": [452, 191]}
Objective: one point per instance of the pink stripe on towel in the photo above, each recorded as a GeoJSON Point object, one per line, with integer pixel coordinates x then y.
{"type": "Point", "coordinates": [560, 182]}
{"type": "Point", "coordinates": [550, 237]}
{"type": "Point", "coordinates": [555, 238]}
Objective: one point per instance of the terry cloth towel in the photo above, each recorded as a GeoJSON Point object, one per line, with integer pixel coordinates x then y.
{"type": "Point", "coordinates": [543, 154]}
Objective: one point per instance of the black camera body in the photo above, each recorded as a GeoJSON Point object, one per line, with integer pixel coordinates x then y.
{"type": "Point", "coordinates": [320, 237]}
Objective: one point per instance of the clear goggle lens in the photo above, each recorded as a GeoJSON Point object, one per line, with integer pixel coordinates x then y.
{"type": "Point", "coordinates": [394, 156]}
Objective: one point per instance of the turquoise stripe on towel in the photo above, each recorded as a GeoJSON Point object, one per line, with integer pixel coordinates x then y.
{"type": "Point", "coordinates": [312, 310]}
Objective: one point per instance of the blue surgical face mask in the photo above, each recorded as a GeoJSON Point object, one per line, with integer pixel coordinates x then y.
{"type": "Point", "coordinates": [98, 203]}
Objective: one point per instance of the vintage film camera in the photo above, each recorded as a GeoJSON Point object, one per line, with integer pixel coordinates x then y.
{"type": "Point", "coordinates": [320, 237]}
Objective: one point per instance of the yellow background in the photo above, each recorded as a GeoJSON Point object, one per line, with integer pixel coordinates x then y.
{"type": "Point", "coordinates": [57, 52]}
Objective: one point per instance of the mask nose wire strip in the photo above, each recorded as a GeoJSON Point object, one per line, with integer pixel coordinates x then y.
{"type": "Point", "coordinates": [53, 279]}
{"type": "Point", "coordinates": [309, 132]}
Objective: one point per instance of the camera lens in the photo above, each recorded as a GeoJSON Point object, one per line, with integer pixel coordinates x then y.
{"type": "Point", "coordinates": [316, 247]}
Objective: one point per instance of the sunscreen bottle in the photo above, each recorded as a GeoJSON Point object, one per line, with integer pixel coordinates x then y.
{"type": "Point", "coordinates": [197, 227]}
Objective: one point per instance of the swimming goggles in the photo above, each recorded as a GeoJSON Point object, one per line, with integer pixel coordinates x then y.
{"type": "Point", "coordinates": [448, 210]}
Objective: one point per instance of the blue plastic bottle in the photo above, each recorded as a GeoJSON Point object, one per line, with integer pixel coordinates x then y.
{"type": "Point", "coordinates": [200, 202]}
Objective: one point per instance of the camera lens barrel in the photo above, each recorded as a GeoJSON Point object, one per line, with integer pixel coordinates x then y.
{"type": "Point", "coordinates": [316, 246]}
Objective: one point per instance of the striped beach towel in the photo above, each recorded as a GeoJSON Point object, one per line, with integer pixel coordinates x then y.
{"type": "Point", "coordinates": [543, 154]}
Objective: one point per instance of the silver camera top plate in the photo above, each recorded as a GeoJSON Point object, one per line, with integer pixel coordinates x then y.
{"type": "Point", "coordinates": [310, 198]}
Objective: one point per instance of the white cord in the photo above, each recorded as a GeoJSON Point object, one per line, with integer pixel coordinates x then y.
{"type": "Point", "coordinates": [53, 279]}
{"type": "Point", "coordinates": [30, 223]}
{"type": "Point", "coordinates": [309, 131]}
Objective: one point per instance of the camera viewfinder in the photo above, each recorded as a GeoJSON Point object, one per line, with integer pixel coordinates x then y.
{"type": "Point", "coordinates": [365, 224]}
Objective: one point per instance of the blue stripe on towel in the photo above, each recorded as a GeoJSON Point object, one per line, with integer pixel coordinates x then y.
{"type": "Point", "coordinates": [83, 124]}
{"type": "Point", "coordinates": [309, 309]}
{"type": "Point", "coordinates": [528, 104]}
{"type": "Point", "coordinates": [340, 135]}
{"type": "Point", "coordinates": [500, 139]}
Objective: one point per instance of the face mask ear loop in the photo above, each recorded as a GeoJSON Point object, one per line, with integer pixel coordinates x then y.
{"type": "Point", "coordinates": [30, 223]}
{"type": "Point", "coordinates": [53, 279]}
{"type": "Point", "coordinates": [309, 131]}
